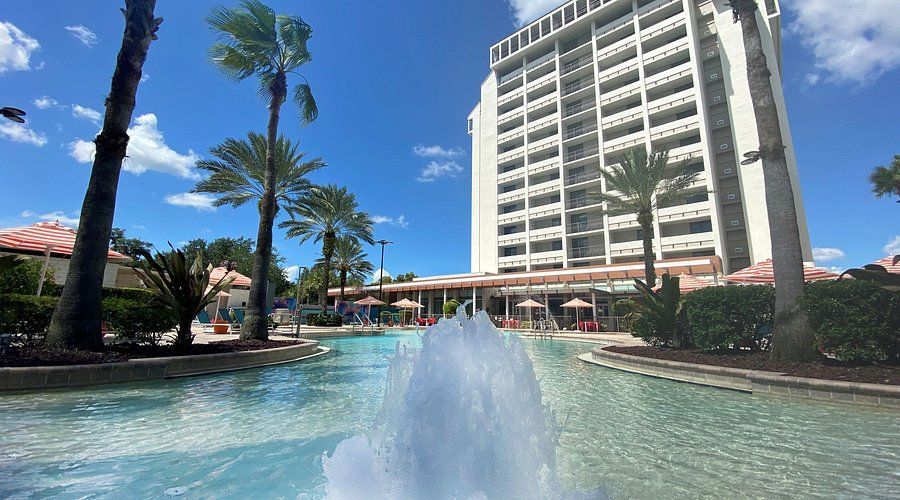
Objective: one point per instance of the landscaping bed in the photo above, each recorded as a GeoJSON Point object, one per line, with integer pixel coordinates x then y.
{"type": "Point", "coordinates": [829, 369]}
{"type": "Point", "coordinates": [31, 356]}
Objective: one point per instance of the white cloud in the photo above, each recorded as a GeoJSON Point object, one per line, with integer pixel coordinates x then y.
{"type": "Point", "coordinates": [291, 272]}
{"type": "Point", "coordinates": [437, 169]}
{"type": "Point", "coordinates": [17, 132]}
{"type": "Point", "coordinates": [825, 254]}
{"type": "Point", "coordinates": [892, 247]}
{"type": "Point", "coordinates": [436, 151]}
{"type": "Point", "coordinates": [83, 34]}
{"type": "Point", "coordinates": [400, 221]}
{"type": "Point", "coordinates": [811, 78]}
{"type": "Point", "coordinates": [857, 41]}
{"type": "Point", "coordinates": [139, 226]}
{"type": "Point", "coordinates": [376, 276]}
{"type": "Point", "coordinates": [144, 77]}
{"type": "Point", "coordinates": [87, 113]}
{"type": "Point", "coordinates": [200, 201]}
{"type": "Point", "coordinates": [58, 216]}
{"type": "Point", "coordinates": [147, 150]}
{"type": "Point", "coordinates": [835, 269]}
{"type": "Point", "coordinates": [15, 48]}
{"type": "Point", "coordinates": [526, 11]}
{"type": "Point", "coordinates": [45, 102]}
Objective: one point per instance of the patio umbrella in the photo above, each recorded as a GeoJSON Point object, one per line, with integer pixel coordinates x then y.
{"type": "Point", "coordinates": [689, 283]}
{"type": "Point", "coordinates": [222, 293]}
{"type": "Point", "coordinates": [407, 304]}
{"type": "Point", "coordinates": [529, 304]}
{"type": "Point", "coordinates": [577, 304]}
{"type": "Point", "coordinates": [888, 263]}
{"type": "Point", "coordinates": [369, 301]}
{"type": "Point", "coordinates": [763, 273]}
{"type": "Point", "coordinates": [219, 273]}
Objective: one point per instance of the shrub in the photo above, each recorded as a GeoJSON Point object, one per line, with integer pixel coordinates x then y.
{"type": "Point", "coordinates": [730, 317]}
{"type": "Point", "coordinates": [657, 316]}
{"type": "Point", "coordinates": [135, 294]}
{"type": "Point", "coordinates": [26, 316]}
{"type": "Point", "coordinates": [856, 320]}
{"type": "Point", "coordinates": [324, 319]}
{"type": "Point", "coordinates": [449, 308]}
{"type": "Point", "coordinates": [23, 277]}
{"type": "Point", "coordinates": [143, 322]}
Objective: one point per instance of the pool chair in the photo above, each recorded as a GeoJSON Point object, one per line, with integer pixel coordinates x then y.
{"type": "Point", "coordinates": [203, 319]}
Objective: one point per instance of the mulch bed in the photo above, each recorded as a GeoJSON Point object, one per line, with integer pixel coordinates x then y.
{"type": "Point", "coordinates": [35, 356]}
{"type": "Point", "coordinates": [828, 369]}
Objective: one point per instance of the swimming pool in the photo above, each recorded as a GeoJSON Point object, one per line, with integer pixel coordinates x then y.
{"type": "Point", "coordinates": [263, 432]}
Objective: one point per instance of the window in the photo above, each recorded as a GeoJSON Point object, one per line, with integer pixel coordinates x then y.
{"type": "Point", "coordinates": [556, 245]}
{"type": "Point", "coordinates": [635, 129]}
{"type": "Point", "coordinates": [510, 229]}
{"type": "Point", "coordinates": [471, 125]}
{"type": "Point", "coordinates": [511, 187]}
{"type": "Point", "coordinates": [696, 198]}
{"type": "Point", "coordinates": [703, 253]}
{"type": "Point", "coordinates": [703, 226]}
{"type": "Point", "coordinates": [510, 251]}
{"type": "Point", "coordinates": [579, 243]}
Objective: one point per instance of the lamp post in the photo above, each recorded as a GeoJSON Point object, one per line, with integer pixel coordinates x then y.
{"type": "Point", "coordinates": [381, 276]}
{"type": "Point", "coordinates": [301, 271]}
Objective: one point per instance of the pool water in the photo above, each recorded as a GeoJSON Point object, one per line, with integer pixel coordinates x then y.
{"type": "Point", "coordinates": [262, 432]}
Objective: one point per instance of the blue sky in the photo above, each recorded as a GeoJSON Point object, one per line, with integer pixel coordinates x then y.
{"type": "Point", "coordinates": [394, 82]}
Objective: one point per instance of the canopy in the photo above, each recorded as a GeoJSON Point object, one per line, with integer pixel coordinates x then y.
{"type": "Point", "coordinates": [577, 303]}
{"type": "Point", "coordinates": [529, 303]}
{"type": "Point", "coordinates": [763, 273]}
{"type": "Point", "coordinates": [219, 272]}
{"type": "Point", "coordinates": [44, 236]}
{"type": "Point", "coordinates": [222, 293]}
{"type": "Point", "coordinates": [689, 283]}
{"type": "Point", "coordinates": [888, 263]}
{"type": "Point", "coordinates": [407, 304]}
{"type": "Point", "coordinates": [369, 301]}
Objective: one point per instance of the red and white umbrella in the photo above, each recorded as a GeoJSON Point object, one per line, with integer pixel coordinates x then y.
{"type": "Point", "coordinates": [689, 283]}
{"type": "Point", "coordinates": [764, 273]}
{"type": "Point", "coordinates": [888, 263]}
{"type": "Point", "coordinates": [218, 274]}
{"type": "Point", "coordinates": [42, 236]}
{"type": "Point", "coordinates": [577, 304]}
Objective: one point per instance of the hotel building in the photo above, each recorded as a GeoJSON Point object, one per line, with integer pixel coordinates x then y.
{"type": "Point", "coordinates": [566, 96]}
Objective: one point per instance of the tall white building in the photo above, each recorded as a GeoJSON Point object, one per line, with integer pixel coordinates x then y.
{"type": "Point", "coordinates": [570, 92]}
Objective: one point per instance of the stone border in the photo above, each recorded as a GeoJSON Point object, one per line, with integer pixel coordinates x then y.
{"type": "Point", "coordinates": [139, 370]}
{"type": "Point", "coordinates": [749, 381]}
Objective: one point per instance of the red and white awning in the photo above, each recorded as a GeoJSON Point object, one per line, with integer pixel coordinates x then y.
{"type": "Point", "coordinates": [219, 272]}
{"type": "Point", "coordinates": [44, 236]}
{"type": "Point", "coordinates": [689, 283]}
{"type": "Point", "coordinates": [764, 273]}
{"type": "Point", "coordinates": [888, 263]}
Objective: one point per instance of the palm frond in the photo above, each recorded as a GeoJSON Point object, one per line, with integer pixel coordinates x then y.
{"type": "Point", "coordinates": [309, 111]}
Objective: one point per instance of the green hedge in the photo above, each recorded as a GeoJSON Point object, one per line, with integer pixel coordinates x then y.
{"type": "Point", "coordinates": [324, 319]}
{"type": "Point", "coordinates": [449, 308]}
{"type": "Point", "coordinates": [24, 278]}
{"type": "Point", "coordinates": [729, 317]}
{"type": "Point", "coordinates": [27, 316]}
{"type": "Point", "coordinates": [140, 321]}
{"type": "Point", "coordinates": [856, 320]}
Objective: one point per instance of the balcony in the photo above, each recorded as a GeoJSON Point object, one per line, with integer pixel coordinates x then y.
{"type": "Point", "coordinates": [542, 101]}
{"type": "Point", "coordinates": [615, 24]}
{"type": "Point", "coordinates": [546, 233]}
{"type": "Point", "coordinates": [686, 212]}
{"type": "Point", "coordinates": [540, 82]}
{"type": "Point", "coordinates": [626, 248]}
{"type": "Point", "coordinates": [575, 65]}
{"type": "Point", "coordinates": [540, 61]}
{"type": "Point", "coordinates": [579, 131]}
{"type": "Point", "coordinates": [545, 210]}
{"type": "Point", "coordinates": [620, 93]}
{"type": "Point", "coordinates": [585, 226]}
{"type": "Point", "coordinates": [510, 96]}
{"type": "Point", "coordinates": [510, 115]}
{"type": "Point", "coordinates": [619, 69]}
{"type": "Point", "coordinates": [655, 6]}
{"type": "Point", "coordinates": [547, 121]}
{"type": "Point", "coordinates": [582, 177]}
{"type": "Point", "coordinates": [680, 126]}
{"type": "Point", "coordinates": [615, 48]}
{"type": "Point", "coordinates": [507, 218]}
{"type": "Point", "coordinates": [511, 239]}
{"type": "Point", "coordinates": [544, 188]}
{"type": "Point", "coordinates": [588, 251]}
{"type": "Point", "coordinates": [581, 153]}
{"type": "Point", "coordinates": [682, 153]}
{"type": "Point", "coordinates": [544, 165]}
{"type": "Point", "coordinates": [547, 256]}
{"type": "Point", "coordinates": [511, 175]}
{"type": "Point", "coordinates": [581, 202]}
{"type": "Point", "coordinates": [622, 117]}
{"type": "Point", "coordinates": [624, 142]}
{"type": "Point", "coordinates": [673, 101]}
{"type": "Point", "coordinates": [670, 75]}
{"type": "Point", "coordinates": [573, 87]}
{"type": "Point", "coordinates": [510, 76]}
{"type": "Point", "coordinates": [543, 144]}
{"type": "Point", "coordinates": [511, 155]}
{"type": "Point", "coordinates": [667, 50]}
{"type": "Point", "coordinates": [663, 27]}
{"type": "Point", "coordinates": [570, 111]}
{"type": "Point", "coordinates": [688, 242]}
{"type": "Point", "coordinates": [512, 260]}
{"type": "Point", "coordinates": [511, 135]}
{"type": "Point", "coordinates": [511, 196]}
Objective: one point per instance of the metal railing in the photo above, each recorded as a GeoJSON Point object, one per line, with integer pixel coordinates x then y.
{"type": "Point", "coordinates": [582, 201]}
{"type": "Point", "coordinates": [581, 153]}
{"type": "Point", "coordinates": [584, 226]}
{"type": "Point", "coordinates": [578, 131]}
{"type": "Point", "coordinates": [582, 177]}
{"type": "Point", "coordinates": [574, 65]}
{"type": "Point", "coordinates": [588, 251]}
{"type": "Point", "coordinates": [576, 86]}
{"type": "Point", "coordinates": [578, 108]}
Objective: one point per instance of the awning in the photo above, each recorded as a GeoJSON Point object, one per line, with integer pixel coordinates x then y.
{"type": "Point", "coordinates": [764, 273]}
{"type": "Point", "coordinates": [42, 236]}
{"type": "Point", "coordinates": [689, 283]}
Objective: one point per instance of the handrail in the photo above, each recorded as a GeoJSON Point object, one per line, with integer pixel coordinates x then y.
{"type": "Point", "coordinates": [584, 226]}
{"type": "Point", "coordinates": [581, 153]}
{"type": "Point", "coordinates": [588, 251]}
{"type": "Point", "coordinates": [582, 177]}
{"type": "Point", "coordinates": [580, 130]}
{"type": "Point", "coordinates": [578, 108]}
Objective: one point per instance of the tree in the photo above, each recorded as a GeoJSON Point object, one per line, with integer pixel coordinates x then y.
{"type": "Point", "coordinates": [240, 251]}
{"type": "Point", "coordinates": [311, 286]}
{"type": "Point", "coordinates": [886, 180]}
{"type": "Point", "coordinates": [350, 262]}
{"type": "Point", "coordinates": [405, 277]}
{"type": "Point", "coordinates": [325, 214]}
{"type": "Point", "coordinates": [22, 275]}
{"type": "Point", "coordinates": [792, 337]}
{"type": "Point", "coordinates": [77, 319]}
{"type": "Point", "coordinates": [254, 41]}
{"type": "Point", "coordinates": [642, 183]}
{"type": "Point", "coordinates": [129, 246]}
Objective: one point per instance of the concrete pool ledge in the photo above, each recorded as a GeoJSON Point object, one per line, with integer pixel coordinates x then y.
{"type": "Point", "coordinates": [749, 381]}
{"type": "Point", "coordinates": [137, 370]}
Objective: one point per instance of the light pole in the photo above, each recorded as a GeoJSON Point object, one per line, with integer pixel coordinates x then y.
{"type": "Point", "coordinates": [381, 276]}
{"type": "Point", "coordinates": [301, 271]}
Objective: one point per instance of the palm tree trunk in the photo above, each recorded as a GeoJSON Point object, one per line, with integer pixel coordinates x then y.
{"type": "Point", "coordinates": [255, 324]}
{"type": "Point", "coordinates": [327, 253]}
{"type": "Point", "coordinates": [792, 338]}
{"type": "Point", "coordinates": [343, 283]}
{"type": "Point", "coordinates": [77, 319]}
{"type": "Point", "coordinates": [645, 219]}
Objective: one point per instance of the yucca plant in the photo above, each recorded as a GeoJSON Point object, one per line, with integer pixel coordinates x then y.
{"type": "Point", "coordinates": [657, 315]}
{"type": "Point", "coordinates": [184, 289]}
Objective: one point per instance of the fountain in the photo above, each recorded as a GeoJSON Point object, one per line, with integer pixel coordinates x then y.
{"type": "Point", "coordinates": [462, 417]}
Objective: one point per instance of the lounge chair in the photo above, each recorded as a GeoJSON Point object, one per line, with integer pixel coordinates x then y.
{"type": "Point", "coordinates": [203, 319]}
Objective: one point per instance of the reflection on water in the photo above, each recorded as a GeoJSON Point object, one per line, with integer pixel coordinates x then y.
{"type": "Point", "coordinates": [264, 431]}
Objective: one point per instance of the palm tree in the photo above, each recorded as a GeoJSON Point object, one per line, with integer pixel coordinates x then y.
{"type": "Point", "coordinates": [792, 338]}
{"type": "Point", "coordinates": [350, 262]}
{"type": "Point", "coordinates": [886, 180]}
{"type": "Point", "coordinates": [254, 41]}
{"type": "Point", "coordinates": [326, 214]}
{"type": "Point", "coordinates": [639, 184]}
{"type": "Point", "coordinates": [77, 319]}
{"type": "Point", "coordinates": [238, 171]}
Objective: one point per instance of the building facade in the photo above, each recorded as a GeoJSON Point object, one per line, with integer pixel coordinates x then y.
{"type": "Point", "coordinates": [572, 91]}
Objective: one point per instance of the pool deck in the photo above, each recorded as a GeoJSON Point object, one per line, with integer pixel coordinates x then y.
{"type": "Point", "coordinates": [605, 338]}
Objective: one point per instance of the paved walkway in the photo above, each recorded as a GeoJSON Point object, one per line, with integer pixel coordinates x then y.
{"type": "Point", "coordinates": [596, 338]}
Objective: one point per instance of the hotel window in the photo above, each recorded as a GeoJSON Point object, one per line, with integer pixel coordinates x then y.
{"type": "Point", "coordinates": [510, 252]}
{"type": "Point", "coordinates": [535, 32]}
{"type": "Point", "coordinates": [471, 124]}
{"type": "Point", "coordinates": [703, 226]}
{"type": "Point", "coordinates": [556, 245]}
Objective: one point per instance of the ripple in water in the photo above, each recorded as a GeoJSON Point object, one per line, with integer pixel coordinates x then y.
{"type": "Point", "coordinates": [462, 417]}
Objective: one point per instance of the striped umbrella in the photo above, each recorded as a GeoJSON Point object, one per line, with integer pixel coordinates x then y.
{"type": "Point", "coordinates": [888, 263]}
{"type": "Point", "coordinates": [689, 283]}
{"type": "Point", "coordinates": [44, 236]}
{"type": "Point", "coordinates": [763, 273]}
{"type": "Point", "coordinates": [218, 274]}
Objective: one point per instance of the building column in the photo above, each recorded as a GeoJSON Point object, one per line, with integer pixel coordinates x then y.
{"type": "Point", "coordinates": [594, 303]}
{"type": "Point", "coordinates": [419, 310]}
{"type": "Point", "coordinates": [506, 311]}
{"type": "Point", "coordinates": [474, 300]}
